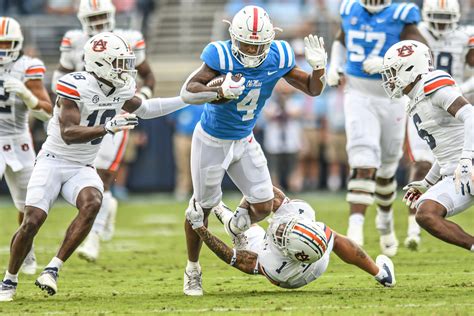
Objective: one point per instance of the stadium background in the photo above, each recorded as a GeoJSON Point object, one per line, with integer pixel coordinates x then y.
{"type": "Point", "coordinates": [176, 31]}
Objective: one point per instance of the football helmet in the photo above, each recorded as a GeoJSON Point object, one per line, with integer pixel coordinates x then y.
{"type": "Point", "coordinates": [374, 6]}
{"type": "Point", "coordinates": [11, 40]}
{"type": "Point", "coordinates": [111, 58]}
{"type": "Point", "coordinates": [300, 239]}
{"type": "Point", "coordinates": [252, 33]}
{"type": "Point", "coordinates": [96, 16]}
{"type": "Point", "coordinates": [441, 16]}
{"type": "Point", "coordinates": [402, 64]}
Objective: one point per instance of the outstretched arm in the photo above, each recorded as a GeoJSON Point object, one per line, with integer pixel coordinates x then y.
{"type": "Point", "coordinates": [156, 107]}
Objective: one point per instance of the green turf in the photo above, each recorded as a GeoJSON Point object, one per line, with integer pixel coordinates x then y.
{"type": "Point", "coordinates": [140, 271]}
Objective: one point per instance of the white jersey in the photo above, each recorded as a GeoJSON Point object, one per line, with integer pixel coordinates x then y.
{"type": "Point", "coordinates": [13, 111]}
{"type": "Point", "coordinates": [429, 102]}
{"type": "Point", "coordinates": [96, 109]}
{"type": "Point", "coordinates": [73, 42]}
{"type": "Point", "coordinates": [450, 51]}
{"type": "Point", "coordinates": [277, 267]}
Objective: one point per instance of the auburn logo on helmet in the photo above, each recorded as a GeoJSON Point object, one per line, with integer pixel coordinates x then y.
{"type": "Point", "coordinates": [405, 51]}
{"type": "Point", "coordinates": [99, 46]}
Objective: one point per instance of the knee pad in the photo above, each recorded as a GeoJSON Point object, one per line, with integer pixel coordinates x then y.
{"type": "Point", "coordinates": [385, 194]}
{"type": "Point", "coordinates": [361, 190]}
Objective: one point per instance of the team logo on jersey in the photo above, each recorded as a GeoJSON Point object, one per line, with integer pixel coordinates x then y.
{"type": "Point", "coordinates": [99, 46]}
{"type": "Point", "coordinates": [354, 21]}
{"type": "Point", "coordinates": [405, 51]}
{"type": "Point", "coordinates": [301, 256]}
{"type": "Point", "coordinates": [95, 99]}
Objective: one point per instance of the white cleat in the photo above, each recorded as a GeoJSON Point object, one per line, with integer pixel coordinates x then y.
{"type": "Point", "coordinates": [47, 281]}
{"type": "Point", "coordinates": [412, 242]}
{"type": "Point", "coordinates": [192, 283]}
{"type": "Point", "coordinates": [389, 244]}
{"type": "Point", "coordinates": [388, 277]}
{"type": "Point", "coordinates": [109, 229]}
{"type": "Point", "coordinates": [29, 265]}
{"type": "Point", "coordinates": [89, 251]}
{"type": "Point", "coordinates": [356, 234]}
{"type": "Point", "coordinates": [7, 290]}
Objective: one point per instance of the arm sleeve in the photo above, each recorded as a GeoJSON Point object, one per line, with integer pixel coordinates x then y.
{"type": "Point", "coordinates": [157, 107]}
{"type": "Point", "coordinates": [198, 97]}
{"type": "Point", "coordinates": [466, 115]}
{"type": "Point", "coordinates": [338, 53]}
{"type": "Point", "coordinates": [467, 86]}
{"type": "Point", "coordinates": [410, 14]}
{"type": "Point", "coordinates": [434, 173]}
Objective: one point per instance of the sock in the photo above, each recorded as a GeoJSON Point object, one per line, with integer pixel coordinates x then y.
{"type": "Point", "coordinates": [11, 277]}
{"type": "Point", "coordinates": [356, 219]}
{"type": "Point", "coordinates": [382, 274]}
{"type": "Point", "coordinates": [413, 227]}
{"type": "Point", "coordinates": [193, 266]}
{"type": "Point", "coordinates": [55, 263]}
{"type": "Point", "coordinates": [384, 221]}
{"type": "Point", "coordinates": [472, 248]}
{"type": "Point", "coordinates": [101, 219]}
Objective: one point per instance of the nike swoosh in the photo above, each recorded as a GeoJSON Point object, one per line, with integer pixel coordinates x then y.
{"type": "Point", "coordinates": [271, 72]}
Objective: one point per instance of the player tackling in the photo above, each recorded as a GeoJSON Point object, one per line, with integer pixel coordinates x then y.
{"type": "Point", "coordinates": [446, 121]}
{"type": "Point", "coordinates": [86, 110]}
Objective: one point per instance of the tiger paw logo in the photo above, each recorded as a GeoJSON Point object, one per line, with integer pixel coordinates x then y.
{"type": "Point", "coordinates": [301, 256]}
{"type": "Point", "coordinates": [405, 51]}
{"type": "Point", "coordinates": [99, 46]}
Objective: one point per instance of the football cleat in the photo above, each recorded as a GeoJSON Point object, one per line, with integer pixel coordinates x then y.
{"type": "Point", "coordinates": [192, 283]}
{"type": "Point", "coordinates": [412, 242]}
{"type": "Point", "coordinates": [356, 234]}
{"type": "Point", "coordinates": [389, 244]}
{"type": "Point", "coordinates": [89, 251]}
{"type": "Point", "coordinates": [7, 290]}
{"type": "Point", "coordinates": [109, 228]}
{"type": "Point", "coordinates": [388, 276]}
{"type": "Point", "coordinates": [29, 265]}
{"type": "Point", "coordinates": [47, 280]}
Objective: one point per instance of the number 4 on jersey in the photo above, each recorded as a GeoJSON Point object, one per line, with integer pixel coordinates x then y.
{"type": "Point", "coordinates": [249, 104]}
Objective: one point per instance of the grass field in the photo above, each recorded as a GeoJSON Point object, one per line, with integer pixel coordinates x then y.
{"type": "Point", "coordinates": [140, 271]}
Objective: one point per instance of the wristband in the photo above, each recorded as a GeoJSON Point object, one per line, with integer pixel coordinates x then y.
{"type": "Point", "coordinates": [234, 257]}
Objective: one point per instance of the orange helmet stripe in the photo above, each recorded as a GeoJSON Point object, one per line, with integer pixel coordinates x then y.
{"type": "Point", "coordinates": [3, 26]}
{"type": "Point", "coordinates": [311, 235]}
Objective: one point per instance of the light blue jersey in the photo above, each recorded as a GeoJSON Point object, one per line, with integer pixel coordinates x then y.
{"type": "Point", "coordinates": [369, 34]}
{"type": "Point", "coordinates": [236, 119]}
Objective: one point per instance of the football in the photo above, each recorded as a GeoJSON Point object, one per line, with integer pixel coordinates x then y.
{"type": "Point", "coordinates": [217, 81]}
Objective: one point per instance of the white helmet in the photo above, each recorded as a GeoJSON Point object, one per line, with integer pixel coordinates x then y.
{"type": "Point", "coordinates": [374, 6]}
{"type": "Point", "coordinates": [10, 31]}
{"type": "Point", "coordinates": [300, 239]}
{"type": "Point", "coordinates": [96, 16]}
{"type": "Point", "coordinates": [251, 26]}
{"type": "Point", "coordinates": [110, 57]}
{"type": "Point", "coordinates": [402, 64]}
{"type": "Point", "coordinates": [442, 16]}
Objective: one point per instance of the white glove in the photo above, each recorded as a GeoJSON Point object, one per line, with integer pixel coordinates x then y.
{"type": "Point", "coordinates": [240, 222]}
{"type": "Point", "coordinates": [121, 122]}
{"type": "Point", "coordinates": [334, 77]}
{"type": "Point", "coordinates": [231, 89]}
{"type": "Point", "coordinates": [463, 177]}
{"type": "Point", "coordinates": [145, 93]}
{"type": "Point", "coordinates": [373, 65]}
{"type": "Point", "coordinates": [195, 214]}
{"type": "Point", "coordinates": [13, 85]}
{"type": "Point", "coordinates": [314, 52]}
{"type": "Point", "coordinates": [415, 190]}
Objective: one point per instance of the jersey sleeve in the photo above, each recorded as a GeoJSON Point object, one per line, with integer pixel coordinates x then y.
{"type": "Point", "coordinates": [138, 45]}
{"type": "Point", "coordinates": [35, 70]}
{"type": "Point", "coordinates": [441, 87]}
{"type": "Point", "coordinates": [286, 55]}
{"type": "Point", "coordinates": [217, 56]}
{"type": "Point", "coordinates": [407, 13]}
{"type": "Point", "coordinates": [66, 87]}
{"type": "Point", "coordinates": [346, 7]}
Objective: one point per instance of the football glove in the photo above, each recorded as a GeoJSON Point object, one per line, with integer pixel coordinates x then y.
{"type": "Point", "coordinates": [314, 52]}
{"type": "Point", "coordinates": [414, 190]}
{"type": "Point", "coordinates": [373, 65]}
{"type": "Point", "coordinates": [463, 177]}
{"type": "Point", "coordinates": [145, 93]}
{"type": "Point", "coordinates": [195, 214]}
{"type": "Point", "coordinates": [13, 85]}
{"type": "Point", "coordinates": [240, 222]}
{"type": "Point", "coordinates": [121, 122]}
{"type": "Point", "coordinates": [230, 89]}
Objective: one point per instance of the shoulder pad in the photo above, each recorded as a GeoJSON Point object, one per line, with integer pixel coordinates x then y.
{"type": "Point", "coordinates": [217, 55]}
{"type": "Point", "coordinates": [286, 55]}
{"type": "Point", "coordinates": [406, 12]}
{"type": "Point", "coordinates": [67, 86]}
{"type": "Point", "coordinates": [436, 80]}
{"type": "Point", "coordinates": [346, 7]}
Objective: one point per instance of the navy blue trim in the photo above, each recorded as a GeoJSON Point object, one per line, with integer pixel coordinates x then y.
{"type": "Point", "coordinates": [440, 76]}
{"type": "Point", "coordinates": [67, 84]}
{"type": "Point", "coordinates": [311, 242]}
{"type": "Point", "coordinates": [67, 96]}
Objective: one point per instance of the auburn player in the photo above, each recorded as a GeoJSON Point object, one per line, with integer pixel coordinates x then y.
{"type": "Point", "coordinates": [88, 108]}
{"type": "Point", "coordinates": [375, 125]}
{"type": "Point", "coordinates": [21, 92]}
{"type": "Point", "coordinates": [453, 52]}
{"type": "Point", "coordinates": [223, 140]}
{"type": "Point", "coordinates": [99, 16]}
{"type": "Point", "coordinates": [446, 120]}
{"type": "Point", "coordinates": [295, 248]}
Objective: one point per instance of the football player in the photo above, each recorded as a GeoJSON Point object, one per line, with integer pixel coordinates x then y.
{"type": "Point", "coordinates": [87, 109]}
{"type": "Point", "coordinates": [446, 120]}
{"type": "Point", "coordinates": [375, 125]}
{"type": "Point", "coordinates": [453, 51]}
{"type": "Point", "coordinates": [293, 251]}
{"type": "Point", "coordinates": [223, 140]}
{"type": "Point", "coordinates": [99, 16]}
{"type": "Point", "coordinates": [21, 92]}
